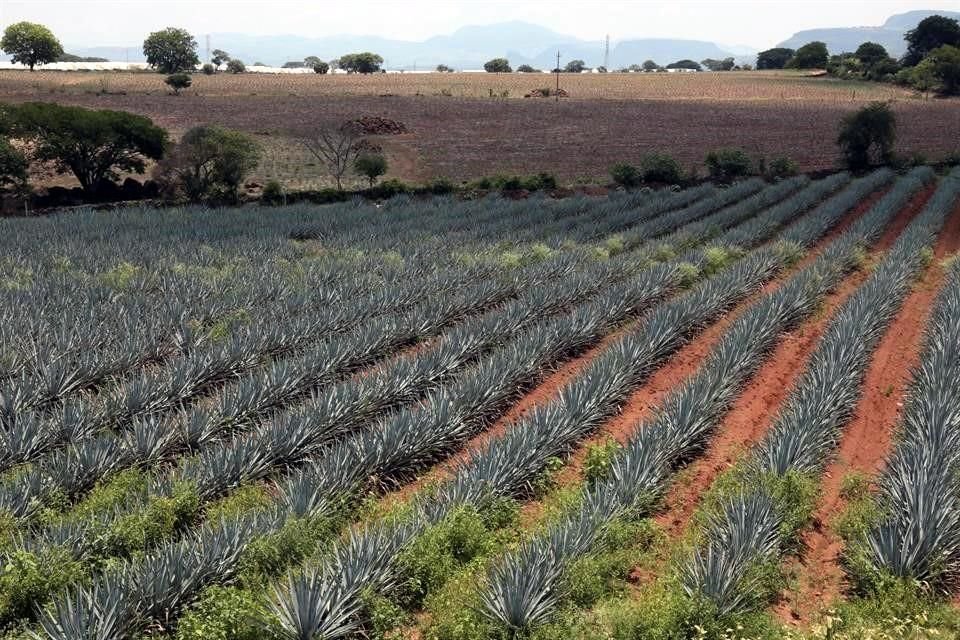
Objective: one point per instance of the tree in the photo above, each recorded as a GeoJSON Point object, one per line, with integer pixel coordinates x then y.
{"type": "Point", "coordinates": [442, 68]}
{"type": "Point", "coordinates": [650, 65]}
{"type": "Point", "coordinates": [94, 145]}
{"type": "Point", "coordinates": [208, 69]}
{"type": "Point", "coordinates": [872, 127]}
{"type": "Point", "coordinates": [178, 81]}
{"type": "Point", "coordinates": [293, 64]}
{"type": "Point", "coordinates": [171, 50]}
{"type": "Point", "coordinates": [718, 65]}
{"type": "Point", "coordinates": [311, 61]}
{"type": "Point", "coordinates": [726, 164]}
{"type": "Point", "coordinates": [945, 65]}
{"type": "Point", "coordinates": [321, 67]}
{"type": "Point", "coordinates": [371, 166]}
{"type": "Point", "coordinates": [220, 57]}
{"type": "Point", "coordinates": [626, 175]}
{"type": "Point", "coordinates": [335, 147]}
{"type": "Point", "coordinates": [685, 64]}
{"type": "Point", "coordinates": [660, 167]}
{"type": "Point", "coordinates": [922, 77]}
{"type": "Point", "coordinates": [13, 166]}
{"type": "Point", "coordinates": [211, 162]}
{"type": "Point", "coordinates": [525, 68]}
{"type": "Point", "coordinates": [575, 66]}
{"type": "Point", "coordinates": [236, 66]}
{"type": "Point", "coordinates": [931, 33]}
{"type": "Point", "coordinates": [776, 58]}
{"type": "Point", "coordinates": [813, 55]}
{"type": "Point", "coordinates": [875, 61]}
{"type": "Point", "coordinates": [497, 65]}
{"type": "Point", "coordinates": [30, 44]}
{"type": "Point", "coordinates": [365, 62]}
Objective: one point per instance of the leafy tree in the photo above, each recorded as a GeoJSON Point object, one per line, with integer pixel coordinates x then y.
{"type": "Point", "coordinates": [336, 148]}
{"type": "Point", "coordinates": [171, 50]}
{"type": "Point", "coordinates": [931, 33]}
{"type": "Point", "coordinates": [525, 68]}
{"type": "Point", "coordinates": [365, 62]}
{"type": "Point", "coordinates": [813, 55]}
{"type": "Point", "coordinates": [13, 165]}
{"type": "Point", "coordinates": [321, 67]}
{"type": "Point", "coordinates": [442, 68]}
{"type": "Point", "coordinates": [945, 65]}
{"type": "Point", "coordinates": [626, 175]}
{"type": "Point", "coordinates": [575, 66]}
{"type": "Point", "coordinates": [208, 69]}
{"type": "Point", "coordinates": [922, 77]}
{"type": "Point", "coordinates": [236, 66]}
{"type": "Point", "coordinates": [212, 162]}
{"type": "Point", "coordinates": [311, 61]}
{"type": "Point", "coordinates": [876, 62]}
{"type": "Point", "coordinates": [92, 144]}
{"type": "Point", "coordinates": [685, 64]}
{"type": "Point", "coordinates": [220, 57]}
{"type": "Point", "coordinates": [293, 64]}
{"type": "Point", "coordinates": [874, 127]}
{"type": "Point", "coordinates": [776, 58]}
{"type": "Point", "coordinates": [718, 65]}
{"type": "Point", "coordinates": [660, 167]}
{"type": "Point", "coordinates": [30, 44]}
{"type": "Point", "coordinates": [725, 165]}
{"type": "Point", "coordinates": [650, 65]}
{"type": "Point", "coordinates": [178, 81]}
{"type": "Point", "coordinates": [371, 166]}
{"type": "Point", "coordinates": [497, 65]}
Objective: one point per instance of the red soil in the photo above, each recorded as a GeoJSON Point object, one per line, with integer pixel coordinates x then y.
{"type": "Point", "coordinates": [868, 437]}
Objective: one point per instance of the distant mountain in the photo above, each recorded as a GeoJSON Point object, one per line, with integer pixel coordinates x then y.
{"type": "Point", "coordinates": [889, 34]}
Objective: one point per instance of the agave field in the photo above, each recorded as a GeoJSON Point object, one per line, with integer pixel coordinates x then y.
{"type": "Point", "coordinates": [435, 418]}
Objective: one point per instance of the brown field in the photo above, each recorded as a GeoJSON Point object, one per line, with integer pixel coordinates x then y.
{"type": "Point", "coordinates": [464, 125]}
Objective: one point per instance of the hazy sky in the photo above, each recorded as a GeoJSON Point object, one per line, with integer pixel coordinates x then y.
{"type": "Point", "coordinates": [749, 22]}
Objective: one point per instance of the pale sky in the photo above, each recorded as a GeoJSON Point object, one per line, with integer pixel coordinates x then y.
{"type": "Point", "coordinates": [754, 23]}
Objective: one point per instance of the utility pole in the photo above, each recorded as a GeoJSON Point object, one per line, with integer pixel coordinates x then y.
{"type": "Point", "coordinates": [556, 93]}
{"type": "Point", "coordinates": [208, 47]}
{"type": "Point", "coordinates": [606, 54]}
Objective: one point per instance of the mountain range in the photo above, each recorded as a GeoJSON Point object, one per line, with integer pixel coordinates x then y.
{"type": "Point", "coordinates": [520, 42]}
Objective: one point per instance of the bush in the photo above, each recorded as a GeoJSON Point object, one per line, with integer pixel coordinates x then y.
{"type": "Point", "coordinates": [725, 165]}
{"type": "Point", "coordinates": [865, 132]}
{"type": "Point", "coordinates": [497, 65]}
{"type": "Point", "coordinates": [273, 194]}
{"type": "Point", "coordinates": [781, 167]}
{"type": "Point", "coordinates": [321, 68]}
{"type": "Point", "coordinates": [210, 163]}
{"type": "Point", "coordinates": [626, 175]}
{"type": "Point", "coordinates": [660, 167]}
{"type": "Point", "coordinates": [236, 66]}
{"type": "Point", "coordinates": [178, 82]}
{"type": "Point", "coordinates": [13, 165]}
{"type": "Point", "coordinates": [540, 182]}
{"type": "Point", "coordinates": [209, 69]}
{"type": "Point", "coordinates": [441, 186]}
{"type": "Point", "coordinates": [371, 166]}
{"type": "Point", "coordinates": [525, 68]}
{"type": "Point", "coordinates": [389, 189]}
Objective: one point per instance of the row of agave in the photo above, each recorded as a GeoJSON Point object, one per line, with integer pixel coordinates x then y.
{"type": "Point", "coordinates": [747, 528]}
{"type": "Point", "coordinates": [323, 602]}
{"type": "Point", "coordinates": [479, 392]}
{"type": "Point", "coordinates": [346, 406]}
{"type": "Point", "coordinates": [524, 588]}
{"type": "Point", "coordinates": [919, 535]}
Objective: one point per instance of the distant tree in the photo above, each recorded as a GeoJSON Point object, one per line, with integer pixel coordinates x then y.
{"type": "Point", "coordinates": [685, 64]}
{"type": "Point", "coordinates": [776, 58]}
{"type": "Point", "coordinates": [626, 175]}
{"type": "Point", "coordinates": [650, 65]}
{"type": "Point", "coordinates": [945, 65]}
{"type": "Point", "coordinates": [575, 66]}
{"type": "Point", "coordinates": [870, 53]}
{"type": "Point", "coordinates": [813, 55]}
{"type": "Point", "coordinates": [293, 64]}
{"type": "Point", "coordinates": [30, 44]}
{"type": "Point", "coordinates": [724, 165]}
{"type": "Point", "coordinates": [365, 62]}
{"type": "Point", "coordinates": [69, 57]}
{"type": "Point", "coordinates": [178, 82]}
{"type": "Point", "coordinates": [931, 33]}
{"type": "Point", "coordinates": [258, 64]}
{"type": "Point", "coordinates": [236, 66]}
{"type": "Point", "coordinates": [497, 65]}
{"type": "Point", "coordinates": [220, 57]}
{"type": "Point", "coordinates": [311, 61]}
{"type": "Point", "coordinates": [872, 128]}
{"type": "Point", "coordinates": [321, 67]}
{"type": "Point", "coordinates": [211, 162]}
{"type": "Point", "coordinates": [746, 67]}
{"type": "Point", "coordinates": [922, 77]}
{"type": "Point", "coordinates": [601, 69]}
{"type": "Point", "coordinates": [718, 65]}
{"type": "Point", "coordinates": [442, 68]}
{"type": "Point", "coordinates": [94, 145]}
{"type": "Point", "coordinates": [335, 147]}
{"type": "Point", "coordinates": [208, 69]}
{"type": "Point", "coordinates": [370, 165]}
{"type": "Point", "coordinates": [660, 167]}
{"type": "Point", "coordinates": [525, 68]}
{"type": "Point", "coordinates": [171, 50]}
{"type": "Point", "coordinates": [13, 165]}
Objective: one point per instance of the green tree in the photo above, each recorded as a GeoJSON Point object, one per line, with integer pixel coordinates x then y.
{"type": "Point", "coordinates": [776, 58]}
{"type": "Point", "coordinates": [931, 33]}
{"type": "Point", "coordinates": [171, 50]}
{"type": "Point", "coordinates": [321, 67]}
{"type": "Point", "coordinates": [813, 55]}
{"type": "Point", "coordinates": [922, 77]}
{"type": "Point", "coordinates": [13, 166]}
{"type": "Point", "coordinates": [650, 65]}
{"type": "Point", "coordinates": [626, 175]}
{"type": "Point", "coordinates": [945, 65]}
{"type": "Point", "coordinates": [220, 57]}
{"type": "Point", "coordinates": [311, 61]}
{"type": "Point", "coordinates": [575, 66]}
{"type": "Point", "coordinates": [685, 64]}
{"type": "Point", "coordinates": [442, 68]}
{"type": "Point", "coordinates": [525, 68]}
{"type": "Point", "coordinates": [365, 62]}
{"type": "Point", "coordinates": [724, 165]}
{"type": "Point", "coordinates": [236, 66]}
{"type": "Point", "coordinates": [30, 44]}
{"type": "Point", "coordinates": [876, 62]}
{"type": "Point", "coordinates": [872, 128]}
{"type": "Point", "coordinates": [178, 81]}
{"type": "Point", "coordinates": [718, 65]}
{"type": "Point", "coordinates": [497, 65]}
{"type": "Point", "coordinates": [371, 166]}
{"type": "Point", "coordinates": [94, 145]}
{"type": "Point", "coordinates": [212, 162]}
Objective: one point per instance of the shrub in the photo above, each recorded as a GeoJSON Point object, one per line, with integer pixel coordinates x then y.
{"type": "Point", "coordinates": [442, 68]}
{"type": "Point", "coordinates": [525, 68]}
{"type": "Point", "coordinates": [781, 167]}
{"type": "Point", "coordinates": [321, 68]}
{"type": "Point", "coordinates": [441, 186]}
{"type": "Point", "coordinates": [223, 613]}
{"type": "Point", "coordinates": [210, 163]}
{"type": "Point", "coordinates": [389, 189]}
{"type": "Point", "coordinates": [541, 181]}
{"type": "Point", "coordinates": [871, 129]}
{"type": "Point", "coordinates": [208, 69]}
{"type": "Point", "coordinates": [236, 66]}
{"type": "Point", "coordinates": [660, 167]}
{"type": "Point", "coordinates": [945, 66]}
{"type": "Point", "coordinates": [13, 165]}
{"type": "Point", "coordinates": [273, 194]}
{"type": "Point", "coordinates": [626, 175]}
{"type": "Point", "coordinates": [497, 65]}
{"type": "Point", "coordinates": [725, 165]}
{"type": "Point", "coordinates": [178, 82]}
{"type": "Point", "coordinates": [371, 166]}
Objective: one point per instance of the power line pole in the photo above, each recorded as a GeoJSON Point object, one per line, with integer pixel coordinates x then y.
{"type": "Point", "coordinates": [606, 54]}
{"type": "Point", "coordinates": [557, 92]}
{"type": "Point", "coordinates": [208, 47]}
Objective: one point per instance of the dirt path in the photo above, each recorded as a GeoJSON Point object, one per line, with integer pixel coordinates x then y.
{"type": "Point", "coordinates": [867, 439]}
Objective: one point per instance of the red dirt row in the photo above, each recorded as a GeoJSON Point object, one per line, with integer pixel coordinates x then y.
{"type": "Point", "coordinates": [868, 438]}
